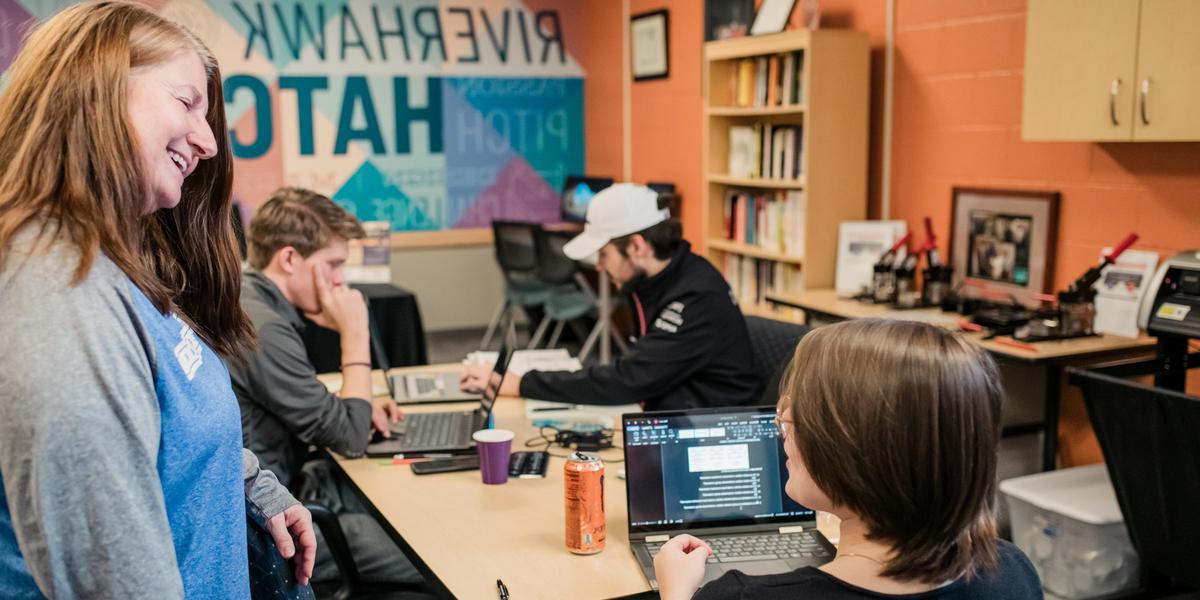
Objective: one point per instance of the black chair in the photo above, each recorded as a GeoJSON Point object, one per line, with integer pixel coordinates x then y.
{"type": "Point", "coordinates": [516, 254]}
{"type": "Point", "coordinates": [570, 297]}
{"type": "Point", "coordinates": [351, 586]}
{"type": "Point", "coordinates": [773, 343]}
{"type": "Point", "coordinates": [1151, 447]}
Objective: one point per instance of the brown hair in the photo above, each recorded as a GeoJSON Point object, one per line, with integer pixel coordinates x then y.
{"type": "Point", "coordinates": [65, 166]}
{"type": "Point", "coordinates": [300, 218]}
{"type": "Point", "coordinates": [899, 422]}
{"type": "Point", "coordinates": [663, 237]}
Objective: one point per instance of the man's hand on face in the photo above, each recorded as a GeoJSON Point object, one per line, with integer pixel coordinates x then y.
{"type": "Point", "coordinates": [341, 308]}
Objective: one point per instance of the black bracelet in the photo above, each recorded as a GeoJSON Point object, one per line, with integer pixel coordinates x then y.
{"type": "Point", "coordinates": [356, 364]}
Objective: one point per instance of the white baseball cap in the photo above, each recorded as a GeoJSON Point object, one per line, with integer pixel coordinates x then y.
{"type": "Point", "coordinates": [615, 211]}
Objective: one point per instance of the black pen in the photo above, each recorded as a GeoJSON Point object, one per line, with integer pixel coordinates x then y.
{"type": "Point", "coordinates": [550, 408]}
{"type": "Point", "coordinates": [503, 590]}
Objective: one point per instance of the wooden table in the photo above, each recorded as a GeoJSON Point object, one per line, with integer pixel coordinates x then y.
{"type": "Point", "coordinates": [1053, 356]}
{"type": "Point", "coordinates": [462, 535]}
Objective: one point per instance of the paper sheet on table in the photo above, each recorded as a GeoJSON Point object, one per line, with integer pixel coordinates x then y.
{"type": "Point", "coordinates": [333, 383]}
{"type": "Point", "coordinates": [523, 361]}
{"type": "Point", "coordinates": [1119, 292]}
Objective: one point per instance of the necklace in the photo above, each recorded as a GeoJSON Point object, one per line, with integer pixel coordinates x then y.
{"type": "Point", "coordinates": [870, 558]}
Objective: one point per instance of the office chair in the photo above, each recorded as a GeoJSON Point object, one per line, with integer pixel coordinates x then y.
{"type": "Point", "coordinates": [1152, 450]}
{"type": "Point", "coordinates": [516, 255]}
{"type": "Point", "coordinates": [351, 586]}
{"type": "Point", "coordinates": [570, 295]}
{"type": "Point", "coordinates": [772, 344]}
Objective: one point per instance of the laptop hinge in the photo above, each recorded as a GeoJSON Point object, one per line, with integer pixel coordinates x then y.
{"type": "Point", "coordinates": [791, 529]}
{"type": "Point", "coordinates": [652, 539]}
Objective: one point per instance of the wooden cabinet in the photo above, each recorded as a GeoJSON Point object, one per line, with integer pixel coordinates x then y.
{"type": "Point", "coordinates": [1112, 70]}
{"type": "Point", "coordinates": [1168, 71]}
{"type": "Point", "coordinates": [829, 115]}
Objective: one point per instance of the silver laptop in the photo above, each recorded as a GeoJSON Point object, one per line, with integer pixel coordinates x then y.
{"type": "Point", "coordinates": [429, 388]}
{"type": "Point", "coordinates": [717, 474]}
{"type": "Point", "coordinates": [449, 431]}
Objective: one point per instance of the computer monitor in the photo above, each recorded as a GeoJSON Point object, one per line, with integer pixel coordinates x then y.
{"type": "Point", "coordinates": [661, 187]}
{"type": "Point", "coordinates": [577, 194]}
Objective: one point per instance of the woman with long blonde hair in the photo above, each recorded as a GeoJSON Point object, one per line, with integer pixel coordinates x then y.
{"type": "Point", "coordinates": [120, 438]}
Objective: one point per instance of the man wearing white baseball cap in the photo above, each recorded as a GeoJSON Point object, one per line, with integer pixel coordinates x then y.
{"type": "Point", "coordinates": [691, 349]}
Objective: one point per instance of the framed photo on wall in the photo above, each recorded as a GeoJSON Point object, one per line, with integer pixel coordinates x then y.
{"type": "Point", "coordinates": [649, 47]}
{"type": "Point", "coordinates": [1002, 241]}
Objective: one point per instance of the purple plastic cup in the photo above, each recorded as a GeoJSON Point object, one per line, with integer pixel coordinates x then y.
{"type": "Point", "coordinates": [494, 447]}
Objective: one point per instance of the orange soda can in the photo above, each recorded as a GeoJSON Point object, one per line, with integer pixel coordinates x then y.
{"type": "Point", "coordinates": [583, 493]}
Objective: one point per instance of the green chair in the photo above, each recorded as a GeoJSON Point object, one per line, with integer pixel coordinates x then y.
{"type": "Point", "coordinates": [516, 254]}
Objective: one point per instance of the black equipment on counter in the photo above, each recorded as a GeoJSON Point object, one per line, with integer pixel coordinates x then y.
{"type": "Point", "coordinates": [1074, 312]}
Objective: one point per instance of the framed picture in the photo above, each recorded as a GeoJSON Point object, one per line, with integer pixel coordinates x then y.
{"type": "Point", "coordinates": [648, 37]}
{"type": "Point", "coordinates": [1002, 242]}
{"type": "Point", "coordinates": [727, 19]}
{"type": "Point", "coordinates": [772, 16]}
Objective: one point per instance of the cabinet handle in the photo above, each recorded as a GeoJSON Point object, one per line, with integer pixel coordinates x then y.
{"type": "Point", "coordinates": [1145, 96]}
{"type": "Point", "coordinates": [1112, 100]}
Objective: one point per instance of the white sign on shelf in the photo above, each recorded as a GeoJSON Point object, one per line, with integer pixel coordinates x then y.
{"type": "Point", "coordinates": [860, 244]}
{"type": "Point", "coordinates": [1120, 289]}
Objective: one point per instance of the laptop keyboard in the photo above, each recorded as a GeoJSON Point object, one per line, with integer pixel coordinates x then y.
{"type": "Point", "coordinates": [435, 430]}
{"type": "Point", "coordinates": [765, 546]}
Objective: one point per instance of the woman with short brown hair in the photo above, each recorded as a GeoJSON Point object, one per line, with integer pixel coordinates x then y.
{"type": "Point", "coordinates": [892, 426]}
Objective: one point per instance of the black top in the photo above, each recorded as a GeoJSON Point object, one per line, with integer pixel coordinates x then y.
{"type": "Point", "coordinates": [1014, 580]}
{"type": "Point", "coordinates": [284, 407]}
{"type": "Point", "coordinates": [692, 349]}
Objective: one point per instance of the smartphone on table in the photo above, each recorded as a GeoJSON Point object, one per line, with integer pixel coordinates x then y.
{"type": "Point", "coordinates": [467, 462]}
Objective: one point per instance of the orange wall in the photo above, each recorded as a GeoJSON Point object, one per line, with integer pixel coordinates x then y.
{"type": "Point", "coordinates": [956, 115]}
{"type": "Point", "coordinates": [666, 115]}
{"type": "Point", "coordinates": [958, 122]}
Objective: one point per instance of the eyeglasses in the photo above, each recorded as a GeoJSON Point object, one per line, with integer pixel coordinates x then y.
{"type": "Point", "coordinates": [781, 424]}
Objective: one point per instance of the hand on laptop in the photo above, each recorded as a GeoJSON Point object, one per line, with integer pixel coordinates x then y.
{"type": "Point", "coordinates": [384, 412]}
{"type": "Point", "coordinates": [679, 566]}
{"type": "Point", "coordinates": [475, 377]}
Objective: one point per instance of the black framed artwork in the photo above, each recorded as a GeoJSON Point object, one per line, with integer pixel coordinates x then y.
{"type": "Point", "coordinates": [1002, 242]}
{"type": "Point", "coordinates": [649, 45]}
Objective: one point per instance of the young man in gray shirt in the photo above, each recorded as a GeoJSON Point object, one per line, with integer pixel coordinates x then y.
{"type": "Point", "coordinates": [298, 243]}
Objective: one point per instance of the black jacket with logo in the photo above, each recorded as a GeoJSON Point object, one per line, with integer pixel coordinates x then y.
{"type": "Point", "coordinates": [693, 349]}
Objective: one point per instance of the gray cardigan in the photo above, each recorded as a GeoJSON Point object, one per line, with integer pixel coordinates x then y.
{"type": "Point", "coordinates": [284, 407]}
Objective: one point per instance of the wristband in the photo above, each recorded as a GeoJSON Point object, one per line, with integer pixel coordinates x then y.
{"type": "Point", "coordinates": [356, 364]}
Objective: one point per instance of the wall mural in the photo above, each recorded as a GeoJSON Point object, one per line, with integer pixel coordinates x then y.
{"type": "Point", "coordinates": [427, 114]}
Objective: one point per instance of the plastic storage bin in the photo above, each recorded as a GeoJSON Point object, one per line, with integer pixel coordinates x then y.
{"type": "Point", "coordinates": [1069, 524]}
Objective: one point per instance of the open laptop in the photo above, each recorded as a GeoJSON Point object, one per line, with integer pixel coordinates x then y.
{"type": "Point", "coordinates": [717, 474]}
{"type": "Point", "coordinates": [417, 388]}
{"type": "Point", "coordinates": [428, 388]}
{"type": "Point", "coordinates": [449, 431]}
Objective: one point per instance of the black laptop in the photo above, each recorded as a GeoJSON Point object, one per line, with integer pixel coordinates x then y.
{"type": "Point", "coordinates": [449, 431]}
{"type": "Point", "coordinates": [717, 474]}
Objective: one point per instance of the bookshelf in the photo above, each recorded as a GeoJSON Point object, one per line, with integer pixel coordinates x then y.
{"type": "Point", "coordinates": [771, 225]}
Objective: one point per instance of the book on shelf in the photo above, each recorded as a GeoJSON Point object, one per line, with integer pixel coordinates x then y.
{"type": "Point", "coordinates": [742, 153]}
{"type": "Point", "coordinates": [766, 151]}
{"type": "Point", "coordinates": [774, 80]}
{"type": "Point", "coordinates": [744, 82]}
{"type": "Point", "coordinates": [772, 221]}
{"type": "Point", "coordinates": [752, 279]}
